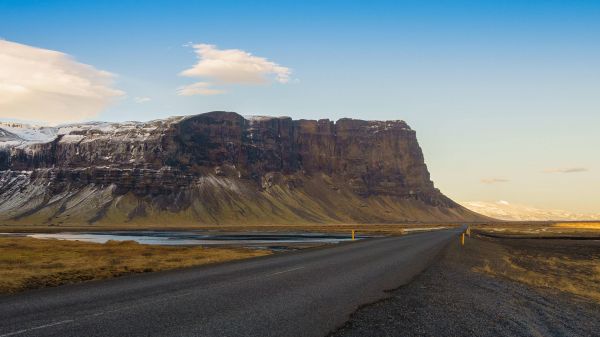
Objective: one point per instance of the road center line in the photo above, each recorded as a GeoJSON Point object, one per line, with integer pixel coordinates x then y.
{"type": "Point", "coordinates": [37, 328]}
{"type": "Point", "coordinates": [282, 272]}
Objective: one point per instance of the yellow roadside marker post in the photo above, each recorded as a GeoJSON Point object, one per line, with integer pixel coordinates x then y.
{"type": "Point", "coordinates": [353, 235]}
{"type": "Point", "coordinates": [462, 239]}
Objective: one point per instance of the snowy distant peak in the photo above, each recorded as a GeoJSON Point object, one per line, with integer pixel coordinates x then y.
{"type": "Point", "coordinates": [505, 210]}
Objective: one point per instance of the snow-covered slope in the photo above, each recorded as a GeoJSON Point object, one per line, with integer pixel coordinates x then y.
{"type": "Point", "coordinates": [504, 210]}
{"type": "Point", "coordinates": [20, 134]}
{"type": "Point", "coordinates": [15, 134]}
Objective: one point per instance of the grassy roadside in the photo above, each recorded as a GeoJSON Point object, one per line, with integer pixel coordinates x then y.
{"type": "Point", "coordinates": [571, 266]}
{"type": "Point", "coordinates": [27, 263]}
{"type": "Point", "coordinates": [551, 256]}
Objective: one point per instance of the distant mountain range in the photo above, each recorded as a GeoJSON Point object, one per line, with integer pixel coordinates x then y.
{"type": "Point", "coordinates": [218, 168]}
{"type": "Point", "coordinates": [504, 210]}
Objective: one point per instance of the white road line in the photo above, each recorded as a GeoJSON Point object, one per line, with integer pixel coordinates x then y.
{"type": "Point", "coordinates": [285, 271]}
{"type": "Point", "coordinates": [37, 328]}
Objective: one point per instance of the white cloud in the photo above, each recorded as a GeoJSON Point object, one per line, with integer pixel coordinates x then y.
{"type": "Point", "coordinates": [142, 99]}
{"type": "Point", "coordinates": [567, 170]}
{"type": "Point", "coordinates": [47, 85]}
{"type": "Point", "coordinates": [198, 88]}
{"type": "Point", "coordinates": [231, 66]}
{"type": "Point", "coordinates": [494, 180]}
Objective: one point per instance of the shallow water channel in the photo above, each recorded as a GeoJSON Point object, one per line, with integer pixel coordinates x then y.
{"type": "Point", "coordinates": [193, 238]}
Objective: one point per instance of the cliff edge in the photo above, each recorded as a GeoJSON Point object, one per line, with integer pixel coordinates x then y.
{"type": "Point", "coordinates": [218, 168]}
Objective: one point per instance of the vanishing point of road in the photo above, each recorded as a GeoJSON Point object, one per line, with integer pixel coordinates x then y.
{"type": "Point", "coordinates": [302, 293]}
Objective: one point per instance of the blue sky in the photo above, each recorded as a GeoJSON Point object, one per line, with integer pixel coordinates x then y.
{"type": "Point", "coordinates": [504, 95]}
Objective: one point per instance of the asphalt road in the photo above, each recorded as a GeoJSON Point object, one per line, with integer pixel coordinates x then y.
{"type": "Point", "coordinates": [303, 293]}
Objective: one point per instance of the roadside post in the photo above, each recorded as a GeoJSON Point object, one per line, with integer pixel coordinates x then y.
{"type": "Point", "coordinates": [462, 239]}
{"type": "Point", "coordinates": [353, 235]}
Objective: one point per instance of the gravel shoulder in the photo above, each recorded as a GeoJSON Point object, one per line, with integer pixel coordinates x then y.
{"type": "Point", "coordinates": [456, 297]}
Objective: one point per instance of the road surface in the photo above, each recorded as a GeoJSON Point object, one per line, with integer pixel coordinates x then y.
{"type": "Point", "coordinates": [303, 293]}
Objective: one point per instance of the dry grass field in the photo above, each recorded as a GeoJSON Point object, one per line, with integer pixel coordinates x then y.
{"type": "Point", "coordinates": [578, 225]}
{"type": "Point", "coordinates": [571, 266]}
{"type": "Point", "coordinates": [27, 263]}
{"type": "Point", "coordinates": [541, 229]}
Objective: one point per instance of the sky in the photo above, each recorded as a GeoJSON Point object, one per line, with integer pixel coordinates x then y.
{"type": "Point", "coordinates": [504, 95]}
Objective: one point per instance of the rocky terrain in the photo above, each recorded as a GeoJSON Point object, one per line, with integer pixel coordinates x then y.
{"type": "Point", "coordinates": [218, 168]}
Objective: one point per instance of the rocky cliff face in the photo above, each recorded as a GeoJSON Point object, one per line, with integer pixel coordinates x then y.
{"type": "Point", "coordinates": [217, 168]}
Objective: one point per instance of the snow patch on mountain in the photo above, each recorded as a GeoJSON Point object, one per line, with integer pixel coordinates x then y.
{"type": "Point", "coordinates": [21, 134]}
{"type": "Point", "coordinates": [25, 133]}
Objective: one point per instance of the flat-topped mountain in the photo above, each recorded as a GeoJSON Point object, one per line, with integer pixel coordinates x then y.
{"type": "Point", "coordinates": [218, 168]}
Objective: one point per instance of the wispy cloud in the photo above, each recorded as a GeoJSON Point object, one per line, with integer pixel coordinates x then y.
{"type": "Point", "coordinates": [198, 88]}
{"type": "Point", "coordinates": [47, 85]}
{"type": "Point", "coordinates": [494, 180]}
{"type": "Point", "coordinates": [230, 66]}
{"type": "Point", "coordinates": [142, 99]}
{"type": "Point", "coordinates": [567, 170]}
